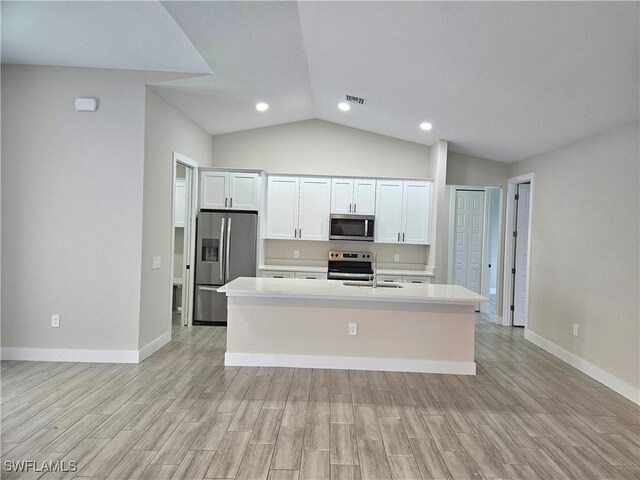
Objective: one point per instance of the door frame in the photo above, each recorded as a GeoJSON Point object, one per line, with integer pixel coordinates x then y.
{"type": "Point", "coordinates": [485, 274]}
{"type": "Point", "coordinates": [509, 245]}
{"type": "Point", "coordinates": [188, 284]}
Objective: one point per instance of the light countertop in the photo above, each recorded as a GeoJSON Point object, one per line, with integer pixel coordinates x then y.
{"type": "Point", "coordinates": [336, 290]}
{"type": "Point", "coordinates": [426, 272]}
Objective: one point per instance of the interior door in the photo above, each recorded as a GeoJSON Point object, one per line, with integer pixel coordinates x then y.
{"type": "Point", "coordinates": [244, 191]}
{"type": "Point", "coordinates": [416, 212]}
{"type": "Point", "coordinates": [468, 235]}
{"type": "Point", "coordinates": [364, 196]}
{"type": "Point", "coordinates": [315, 204]}
{"type": "Point", "coordinates": [388, 224]}
{"type": "Point", "coordinates": [521, 255]}
{"type": "Point", "coordinates": [282, 207]}
{"type": "Point", "coordinates": [342, 195]}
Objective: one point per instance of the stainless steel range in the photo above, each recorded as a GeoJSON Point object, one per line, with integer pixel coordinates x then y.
{"type": "Point", "coordinates": [350, 266]}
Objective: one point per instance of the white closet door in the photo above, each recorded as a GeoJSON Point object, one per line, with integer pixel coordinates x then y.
{"type": "Point", "coordinates": [416, 212]}
{"type": "Point", "coordinates": [522, 251]}
{"type": "Point", "coordinates": [282, 207]}
{"type": "Point", "coordinates": [388, 226]}
{"type": "Point", "coordinates": [315, 204]}
{"type": "Point", "coordinates": [468, 234]}
{"type": "Point", "coordinates": [342, 195]}
{"type": "Point", "coordinates": [364, 196]}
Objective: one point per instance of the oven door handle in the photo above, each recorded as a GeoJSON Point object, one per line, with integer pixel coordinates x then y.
{"type": "Point", "coordinates": [350, 275]}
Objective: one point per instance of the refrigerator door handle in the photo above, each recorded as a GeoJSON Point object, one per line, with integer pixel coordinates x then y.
{"type": "Point", "coordinates": [208, 289]}
{"type": "Point", "coordinates": [222, 248]}
{"type": "Point", "coordinates": [228, 248]}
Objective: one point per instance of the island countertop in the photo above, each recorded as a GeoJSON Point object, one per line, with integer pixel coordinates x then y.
{"type": "Point", "coordinates": [336, 290]}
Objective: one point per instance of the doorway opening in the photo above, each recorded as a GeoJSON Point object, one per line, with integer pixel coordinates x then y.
{"type": "Point", "coordinates": [185, 184]}
{"type": "Point", "coordinates": [518, 251]}
{"type": "Point", "coordinates": [474, 247]}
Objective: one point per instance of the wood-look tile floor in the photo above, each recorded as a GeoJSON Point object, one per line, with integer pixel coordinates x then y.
{"type": "Point", "coordinates": [181, 415]}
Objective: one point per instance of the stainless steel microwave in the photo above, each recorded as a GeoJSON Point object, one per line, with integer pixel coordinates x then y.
{"type": "Point", "coordinates": [352, 227]}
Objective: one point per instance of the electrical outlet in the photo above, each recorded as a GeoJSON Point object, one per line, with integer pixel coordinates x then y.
{"type": "Point", "coordinates": [155, 263]}
{"type": "Point", "coordinates": [353, 328]}
{"type": "Point", "coordinates": [55, 320]}
{"type": "Point", "coordinates": [396, 257]}
{"type": "Point", "coordinates": [296, 254]}
{"type": "Point", "coordinates": [575, 329]}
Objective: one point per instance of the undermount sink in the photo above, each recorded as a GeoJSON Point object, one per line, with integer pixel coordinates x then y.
{"type": "Point", "coordinates": [370, 285]}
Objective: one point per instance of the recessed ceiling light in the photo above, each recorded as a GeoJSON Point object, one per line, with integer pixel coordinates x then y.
{"type": "Point", "coordinates": [261, 107]}
{"type": "Point", "coordinates": [426, 126]}
{"type": "Point", "coordinates": [344, 106]}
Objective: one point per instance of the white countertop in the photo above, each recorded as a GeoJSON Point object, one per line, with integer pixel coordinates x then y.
{"type": "Point", "coordinates": [317, 269]}
{"type": "Point", "coordinates": [336, 290]}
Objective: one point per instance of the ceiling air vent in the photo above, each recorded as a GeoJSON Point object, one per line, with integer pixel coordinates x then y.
{"type": "Point", "coordinates": [357, 100]}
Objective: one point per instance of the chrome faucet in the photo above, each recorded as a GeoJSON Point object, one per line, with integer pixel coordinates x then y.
{"type": "Point", "coordinates": [374, 279]}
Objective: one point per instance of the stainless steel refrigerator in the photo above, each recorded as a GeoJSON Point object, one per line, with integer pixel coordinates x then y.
{"type": "Point", "coordinates": [225, 250]}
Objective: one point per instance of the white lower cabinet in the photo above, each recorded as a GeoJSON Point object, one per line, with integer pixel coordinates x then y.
{"type": "Point", "coordinates": [277, 274]}
{"type": "Point", "coordinates": [407, 279]}
{"type": "Point", "coordinates": [299, 275]}
{"type": "Point", "coordinates": [389, 278]}
{"type": "Point", "coordinates": [311, 275]}
{"type": "Point", "coordinates": [403, 279]}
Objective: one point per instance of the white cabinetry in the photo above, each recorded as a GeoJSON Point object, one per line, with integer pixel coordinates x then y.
{"type": "Point", "coordinates": [403, 211]}
{"type": "Point", "coordinates": [403, 279]}
{"type": "Point", "coordinates": [353, 195]}
{"type": "Point", "coordinates": [230, 190]}
{"type": "Point", "coordinates": [298, 208]}
{"type": "Point", "coordinates": [180, 202]}
{"type": "Point", "coordinates": [298, 275]}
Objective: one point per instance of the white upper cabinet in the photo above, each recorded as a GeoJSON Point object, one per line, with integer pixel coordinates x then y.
{"type": "Point", "coordinates": [230, 190]}
{"type": "Point", "coordinates": [283, 194]}
{"type": "Point", "coordinates": [416, 212]}
{"type": "Point", "coordinates": [298, 208]}
{"type": "Point", "coordinates": [214, 188]}
{"type": "Point", "coordinates": [315, 202]}
{"type": "Point", "coordinates": [244, 191]}
{"type": "Point", "coordinates": [364, 196]}
{"type": "Point", "coordinates": [341, 195]}
{"type": "Point", "coordinates": [403, 211]}
{"type": "Point", "coordinates": [353, 196]}
{"type": "Point", "coordinates": [388, 224]}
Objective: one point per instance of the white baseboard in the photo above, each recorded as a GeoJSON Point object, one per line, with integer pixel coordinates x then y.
{"type": "Point", "coordinates": [69, 355]}
{"type": "Point", "coordinates": [154, 346]}
{"type": "Point", "coordinates": [351, 363]}
{"type": "Point", "coordinates": [607, 379]}
{"type": "Point", "coordinates": [88, 356]}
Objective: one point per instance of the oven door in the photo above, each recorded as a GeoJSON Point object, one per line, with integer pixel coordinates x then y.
{"type": "Point", "coordinates": [352, 227]}
{"type": "Point", "coordinates": [347, 270]}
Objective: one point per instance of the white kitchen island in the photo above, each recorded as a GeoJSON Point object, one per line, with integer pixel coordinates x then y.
{"type": "Point", "coordinates": [306, 323]}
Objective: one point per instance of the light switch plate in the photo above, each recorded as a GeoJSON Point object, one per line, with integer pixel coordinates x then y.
{"type": "Point", "coordinates": [55, 320]}
{"type": "Point", "coordinates": [155, 263]}
{"type": "Point", "coordinates": [575, 329]}
{"type": "Point", "coordinates": [396, 257]}
{"type": "Point", "coordinates": [296, 254]}
{"type": "Point", "coordinates": [353, 328]}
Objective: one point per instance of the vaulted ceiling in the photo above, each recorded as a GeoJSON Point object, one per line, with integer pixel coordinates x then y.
{"type": "Point", "coordinates": [500, 80]}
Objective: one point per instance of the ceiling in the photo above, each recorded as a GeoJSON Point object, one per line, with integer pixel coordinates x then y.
{"type": "Point", "coordinates": [500, 80]}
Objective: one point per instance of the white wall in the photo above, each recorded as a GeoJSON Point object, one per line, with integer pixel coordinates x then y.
{"type": "Point", "coordinates": [71, 207]}
{"type": "Point", "coordinates": [584, 250]}
{"type": "Point", "coordinates": [166, 130]}
{"type": "Point", "coordinates": [320, 148]}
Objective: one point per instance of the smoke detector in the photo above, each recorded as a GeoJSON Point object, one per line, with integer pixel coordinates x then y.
{"type": "Point", "coordinates": [356, 100]}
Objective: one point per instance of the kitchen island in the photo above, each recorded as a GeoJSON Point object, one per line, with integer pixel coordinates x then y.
{"type": "Point", "coordinates": [310, 324]}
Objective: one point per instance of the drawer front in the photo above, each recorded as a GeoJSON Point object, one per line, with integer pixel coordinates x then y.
{"type": "Point", "coordinates": [389, 279]}
{"type": "Point", "coordinates": [407, 279]}
{"type": "Point", "coordinates": [277, 274]}
{"type": "Point", "coordinates": [311, 275]}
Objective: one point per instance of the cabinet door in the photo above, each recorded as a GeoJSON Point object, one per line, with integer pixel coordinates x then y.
{"type": "Point", "coordinates": [244, 191]}
{"type": "Point", "coordinates": [282, 207]}
{"type": "Point", "coordinates": [180, 203]}
{"type": "Point", "coordinates": [364, 197]}
{"type": "Point", "coordinates": [311, 276]}
{"type": "Point", "coordinates": [407, 279]}
{"type": "Point", "coordinates": [315, 204]}
{"type": "Point", "coordinates": [416, 212]}
{"type": "Point", "coordinates": [389, 279]}
{"type": "Point", "coordinates": [388, 226]}
{"type": "Point", "coordinates": [342, 195]}
{"type": "Point", "coordinates": [277, 274]}
{"type": "Point", "coordinates": [214, 188]}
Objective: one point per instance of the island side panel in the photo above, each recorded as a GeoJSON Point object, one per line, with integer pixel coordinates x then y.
{"type": "Point", "coordinates": [419, 337]}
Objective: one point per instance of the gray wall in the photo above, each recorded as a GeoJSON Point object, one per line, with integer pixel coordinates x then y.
{"type": "Point", "coordinates": [316, 147]}
{"type": "Point", "coordinates": [71, 207]}
{"type": "Point", "coordinates": [166, 130]}
{"type": "Point", "coordinates": [584, 249]}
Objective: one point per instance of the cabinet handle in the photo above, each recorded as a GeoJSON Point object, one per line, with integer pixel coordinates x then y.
{"type": "Point", "coordinates": [225, 202]}
{"type": "Point", "coordinates": [403, 236]}
{"type": "Point", "coordinates": [349, 208]}
{"type": "Point", "coordinates": [231, 202]}
{"type": "Point", "coordinates": [398, 237]}
{"type": "Point", "coordinates": [295, 233]}
{"type": "Point", "coordinates": [299, 233]}
{"type": "Point", "coordinates": [355, 207]}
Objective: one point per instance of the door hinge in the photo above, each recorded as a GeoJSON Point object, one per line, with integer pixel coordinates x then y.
{"type": "Point", "coordinates": [513, 271]}
{"type": "Point", "coordinates": [515, 234]}
{"type": "Point", "coordinates": [517, 196]}
{"type": "Point", "coordinates": [511, 308]}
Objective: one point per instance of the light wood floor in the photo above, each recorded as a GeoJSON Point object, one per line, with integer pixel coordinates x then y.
{"type": "Point", "coordinates": [181, 414]}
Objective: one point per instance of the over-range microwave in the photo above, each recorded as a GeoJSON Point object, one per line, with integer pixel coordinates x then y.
{"type": "Point", "coordinates": [352, 227]}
